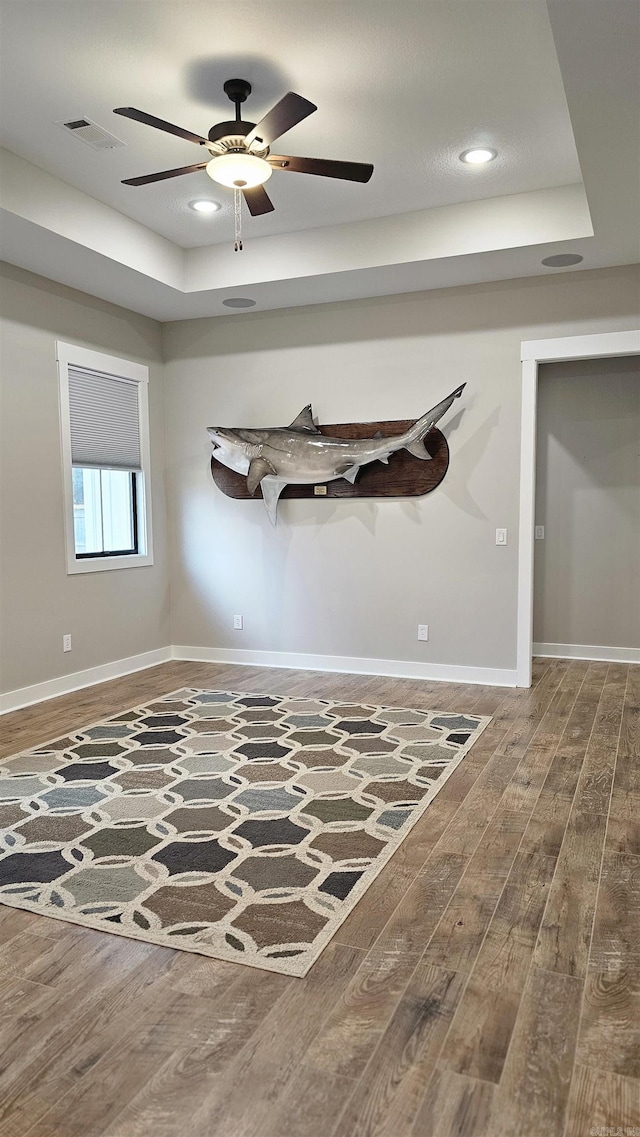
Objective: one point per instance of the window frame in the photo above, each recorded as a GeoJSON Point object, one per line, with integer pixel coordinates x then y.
{"type": "Point", "coordinates": [133, 505]}
{"type": "Point", "coordinates": [67, 355]}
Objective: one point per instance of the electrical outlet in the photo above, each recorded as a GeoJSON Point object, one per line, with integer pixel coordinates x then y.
{"type": "Point", "coordinates": [66, 643]}
{"type": "Point", "coordinates": [238, 623]}
{"type": "Point", "coordinates": [539, 531]}
{"type": "Point", "coordinates": [423, 631]}
{"type": "Point", "coordinates": [501, 536]}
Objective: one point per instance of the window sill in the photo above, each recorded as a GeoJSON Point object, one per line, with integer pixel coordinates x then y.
{"type": "Point", "coordinates": [104, 564]}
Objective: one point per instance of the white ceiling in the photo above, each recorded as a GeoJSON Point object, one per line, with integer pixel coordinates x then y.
{"type": "Point", "coordinates": [404, 85]}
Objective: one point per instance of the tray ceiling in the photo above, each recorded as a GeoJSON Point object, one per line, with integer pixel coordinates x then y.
{"type": "Point", "coordinates": [406, 86]}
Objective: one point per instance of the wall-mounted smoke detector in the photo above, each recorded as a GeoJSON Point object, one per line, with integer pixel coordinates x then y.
{"type": "Point", "coordinates": [95, 136]}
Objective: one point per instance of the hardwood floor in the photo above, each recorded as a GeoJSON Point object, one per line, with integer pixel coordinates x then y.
{"type": "Point", "coordinates": [487, 985]}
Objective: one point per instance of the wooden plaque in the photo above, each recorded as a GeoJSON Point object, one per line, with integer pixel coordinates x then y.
{"type": "Point", "coordinates": [404, 476]}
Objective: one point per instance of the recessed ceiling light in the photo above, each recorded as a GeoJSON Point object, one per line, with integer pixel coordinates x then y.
{"type": "Point", "coordinates": [205, 206]}
{"type": "Point", "coordinates": [562, 260]}
{"type": "Point", "coordinates": [478, 156]}
{"type": "Point", "coordinates": [239, 302]}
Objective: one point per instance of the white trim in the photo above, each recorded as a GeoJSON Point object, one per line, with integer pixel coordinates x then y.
{"type": "Point", "coordinates": [52, 688]}
{"type": "Point", "coordinates": [596, 346]}
{"type": "Point", "coordinates": [66, 354]}
{"type": "Point", "coordinates": [534, 352]}
{"type": "Point", "coordinates": [398, 668]}
{"type": "Point", "coordinates": [355, 665]}
{"type": "Point", "coordinates": [588, 651]}
{"type": "Point", "coordinates": [526, 522]}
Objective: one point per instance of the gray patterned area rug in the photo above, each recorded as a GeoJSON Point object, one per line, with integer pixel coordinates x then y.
{"type": "Point", "coordinates": [244, 827]}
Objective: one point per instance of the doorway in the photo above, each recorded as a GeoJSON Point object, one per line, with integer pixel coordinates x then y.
{"type": "Point", "coordinates": [533, 353]}
{"type": "Point", "coordinates": [586, 581]}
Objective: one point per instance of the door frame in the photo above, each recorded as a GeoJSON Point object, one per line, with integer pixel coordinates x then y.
{"type": "Point", "coordinates": [534, 352]}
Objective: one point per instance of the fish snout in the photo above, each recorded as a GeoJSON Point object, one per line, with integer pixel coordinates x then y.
{"type": "Point", "coordinates": [216, 436]}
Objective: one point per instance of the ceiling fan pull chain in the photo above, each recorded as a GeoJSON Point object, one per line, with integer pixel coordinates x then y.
{"type": "Point", "coordinates": [237, 217]}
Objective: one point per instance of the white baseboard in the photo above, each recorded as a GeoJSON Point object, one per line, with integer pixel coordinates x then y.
{"type": "Point", "coordinates": [51, 688]}
{"type": "Point", "coordinates": [398, 668]}
{"type": "Point", "coordinates": [588, 651]}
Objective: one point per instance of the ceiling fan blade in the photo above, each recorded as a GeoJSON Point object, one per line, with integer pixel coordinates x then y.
{"type": "Point", "coordinates": [287, 113]}
{"type": "Point", "coordinates": [146, 178]}
{"type": "Point", "coordinates": [258, 200]}
{"type": "Point", "coordinates": [160, 124]}
{"type": "Point", "coordinates": [325, 167]}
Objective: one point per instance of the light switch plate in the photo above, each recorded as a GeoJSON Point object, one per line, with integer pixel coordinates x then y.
{"type": "Point", "coordinates": [501, 536]}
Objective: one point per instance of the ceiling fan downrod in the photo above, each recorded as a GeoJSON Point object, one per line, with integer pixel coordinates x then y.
{"type": "Point", "coordinates": [238, 90]}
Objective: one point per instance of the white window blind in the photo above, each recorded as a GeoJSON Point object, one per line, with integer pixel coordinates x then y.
{"type": "Point", "coordinates": [105, 423]}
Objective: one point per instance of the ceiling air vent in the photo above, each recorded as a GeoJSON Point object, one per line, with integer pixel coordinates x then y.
{"type": "Point", "coordinates": [94, 136]}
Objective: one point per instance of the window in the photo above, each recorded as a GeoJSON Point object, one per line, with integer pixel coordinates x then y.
{"type": "Point", "coordinates": [104, 512]}
{"type": "Point", "coordinates": [105, 450]}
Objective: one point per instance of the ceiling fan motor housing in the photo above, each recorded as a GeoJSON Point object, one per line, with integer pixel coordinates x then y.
{"type": "Point", "coordinates": [233, 133]}
{"type": "Point", "coordinates": [232, 129]}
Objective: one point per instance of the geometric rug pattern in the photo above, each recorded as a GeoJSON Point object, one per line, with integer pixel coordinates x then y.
{"type": "Point", "coordinates": [243, 827]}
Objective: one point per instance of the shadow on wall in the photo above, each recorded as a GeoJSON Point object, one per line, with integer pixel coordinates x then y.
{"type": "Point", "coordinates": [468, 457]}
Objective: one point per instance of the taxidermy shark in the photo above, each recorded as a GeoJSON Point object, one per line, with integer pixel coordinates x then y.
{"type": "Point", "coordinates": [298, 454]}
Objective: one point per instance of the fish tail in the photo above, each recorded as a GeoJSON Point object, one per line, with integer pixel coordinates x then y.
{"type": "Point", "coordinates": [422, 426]}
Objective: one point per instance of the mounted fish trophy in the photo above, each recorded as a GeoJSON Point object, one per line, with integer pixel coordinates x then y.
{"type": "Point", "coordinates": [302, 455]}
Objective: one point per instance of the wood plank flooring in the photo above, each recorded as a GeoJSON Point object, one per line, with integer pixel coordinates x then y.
{"type": "Point", "coordinates": [487, 984]}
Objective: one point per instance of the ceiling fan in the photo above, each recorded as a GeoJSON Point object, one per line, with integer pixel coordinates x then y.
{"type": "Point", "coordinates": [239, 151]}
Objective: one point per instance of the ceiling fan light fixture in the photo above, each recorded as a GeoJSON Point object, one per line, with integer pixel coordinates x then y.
{"type": "Point", "coordinates": [239, 171]}
{"type": "Point", "coordinates": [478, 156]}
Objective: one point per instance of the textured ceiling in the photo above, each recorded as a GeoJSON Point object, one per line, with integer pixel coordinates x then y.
{"type": "Point", "coordinates": [404, 85]}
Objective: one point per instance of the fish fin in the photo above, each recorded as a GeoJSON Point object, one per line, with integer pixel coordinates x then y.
{"type": "Point", "coordinates": [385, 459]}
{"type": "Point", "coordinates": [258, 470]}
{"type": "Point", "coordinates": [271, 489]}
{"type": "Point", "coordinates": [351, 474]}
{"type": "Point", "coordinates": [304, 421]}
{"type": "Point", "coordinates": [378, 434]}
{"type": "Point", "coordinates": [418, 450]}
{"type": "Point", "coordinates": [433, 416]}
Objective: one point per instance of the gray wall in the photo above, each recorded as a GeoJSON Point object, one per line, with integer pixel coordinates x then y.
{"type": "Point", "coordinates": [587, 569]}
{"type": "Point", "coordinates": [344, 578]}
{"type": "Point", "coordinates": [111, 615]}
{"type": "Point", "coordinates": [355, 578]}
